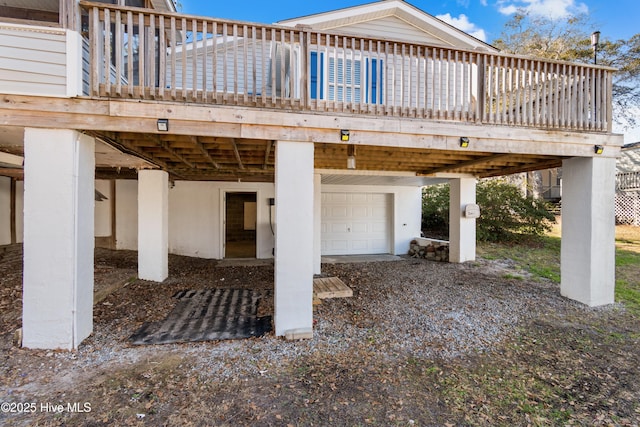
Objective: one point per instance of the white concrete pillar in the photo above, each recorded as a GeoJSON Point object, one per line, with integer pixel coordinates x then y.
{"type": "Point", "coordinates": [5, 210]}
{"type": "Point", "coordinates": [317, 224]}
{"type": "Point", "coordinates": [103, 215]}
{"type": "Point", "coordinates": [588, 230]}
{"type": "Point", "coordinates": [294, 262]}
{"type": "Point", "coordinates": [19, 213]}
{"type": "Point", "coordinates": [126, 228]}
{"type": "Point", "coordinates": [462, 231]}
{"type": "Point", "coordinates": [153, 225]}
{"type": "Point", "coordinates": [57, 306]}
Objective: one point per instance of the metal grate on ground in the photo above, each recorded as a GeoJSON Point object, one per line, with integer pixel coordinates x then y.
{"type": "Point", "coordinates": [206, 315]}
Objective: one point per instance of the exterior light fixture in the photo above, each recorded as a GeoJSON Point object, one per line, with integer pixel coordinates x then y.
{"type": "Point", "coordinates": [598, 149]}
{"type": "Point", "coordinates": [464, 142]}
{"type": "Point", "coordinates": [344, 135]}
{"type": "Point", "coordinates": [351, 157]}
{"type": "Point", "coordinates": [163, 125]}
{"type": "Point", "coordinates": [595, 42]}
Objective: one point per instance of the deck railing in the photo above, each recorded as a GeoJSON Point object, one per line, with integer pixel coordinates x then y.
{"type": "Point", "coordinates": [628, 181]}
{"type": "Point", "coordinates": [200, 60]}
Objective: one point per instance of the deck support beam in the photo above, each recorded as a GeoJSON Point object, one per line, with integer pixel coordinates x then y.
{"type": "Point", "coordinates": [462, 230]}
{"type": "Point", "coordinates": [59, 197]}
{"type": "Point", "coordinates": [153, 225]}
{"type": "Point", "coordinates": [294, 252]}
{"type": "Point", "coordinates": [588, 230]}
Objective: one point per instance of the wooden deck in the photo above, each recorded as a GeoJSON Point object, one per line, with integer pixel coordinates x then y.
{"type": "Point", "coordinates": [209, 61]}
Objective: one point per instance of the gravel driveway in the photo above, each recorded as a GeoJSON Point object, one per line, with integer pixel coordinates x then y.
{"type": "Point", "coordinates": [400, 310]}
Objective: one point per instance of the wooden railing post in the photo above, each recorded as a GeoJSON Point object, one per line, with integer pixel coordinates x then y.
{"type": "Point", "coordinates": [482, 89]}
{"type": "Point", "coordinates": [305, 81]}
{"type": "Point", "coordinates": [69, 12]}
{"type": "Point", "coordinates": [608, 97]}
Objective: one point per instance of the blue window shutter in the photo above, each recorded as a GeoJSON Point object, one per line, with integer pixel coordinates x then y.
{"type": "Point", "coordinates": [314, 75]}
{"type": "Point", "coordinates": [376, 81]}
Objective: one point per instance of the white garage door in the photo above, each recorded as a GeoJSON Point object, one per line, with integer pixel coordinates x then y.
{"type": "Point", "coordinates": [355, 223]}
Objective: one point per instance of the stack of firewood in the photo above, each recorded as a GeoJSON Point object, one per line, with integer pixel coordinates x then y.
{"type": "Point", "coordinates": [433, 252]}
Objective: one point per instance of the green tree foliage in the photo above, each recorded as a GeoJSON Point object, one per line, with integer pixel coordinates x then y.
{"type": "Point", "coordinates": [505, 213]}
{"type": "Point", "coordinates": [569, 40]}
{"type": "Point", "coordinates": [435, 210]}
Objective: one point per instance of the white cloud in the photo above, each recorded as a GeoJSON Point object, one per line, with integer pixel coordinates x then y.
{"type": "Point", "coordinates": [483, 2]}
{"type": "Point", "coordinates": [462, 23]}
{"type": "Point", "coordinates": [554, 9]}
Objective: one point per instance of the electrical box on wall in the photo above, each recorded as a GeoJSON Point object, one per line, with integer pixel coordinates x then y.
{"type": "Point", "coordinates": [272, 201]}
{"type": "Point", "coordinates": [472, 211]}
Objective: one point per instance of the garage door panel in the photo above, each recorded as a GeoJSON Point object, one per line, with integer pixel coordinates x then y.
{"type": "Point", "coordinates": [337, 245]}
{"type": "Point", "coordinates": [340, 228]}
{"type": "Point", "coordinates": [335, 197]}
{"type": "Point", "coordinates": [355, 223]}
{"type": "Point", "coordinates": [359, 198]}
{"type": "Point", "coordinates": [378, 228]}
{"type": "Point", "coordinates": [360, 212]}
{"type": "Point", "coordinates": [360, 227]}
{"type": "Point", "coordinates": [339, 212]}
{"type": "Point", "coordinates": [379, 246]}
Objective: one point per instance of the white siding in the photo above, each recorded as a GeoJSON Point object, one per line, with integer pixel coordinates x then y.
{"type": "Point", "coordinates": [33, 61]}
{"type": "Point", "coordinates": [391, 27]}
{"type": "Point", "coordinates": [195, 217]}
{"type": "Point", "coordinates": [196, 225]}
{"type": "Point", "coordinates": [238, 71]}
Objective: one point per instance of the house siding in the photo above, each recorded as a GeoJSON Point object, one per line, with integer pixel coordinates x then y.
{"type": "Point", "coordinates": [33, 60]}
{"type": "Point", "coordinates": [392, 28]}
{"type": "Point", "coordinates": [196, 218]}
{"type": "Point", "coordinates": [230, 73]}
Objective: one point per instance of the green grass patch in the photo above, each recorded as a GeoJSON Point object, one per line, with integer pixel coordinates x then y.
{"type": "Point", "coordinates": [539, 256]}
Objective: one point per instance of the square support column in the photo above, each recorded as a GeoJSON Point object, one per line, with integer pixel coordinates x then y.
{"type": "Point", "coordinates": [588, 230]}
{"type": "Point", "coordinates": [153, 225]}
{"type": "Point", "coordinates": [57, 304]}
{"type": "Point", "coordinates": [5, 210]}
{"type": "Point", "coordinates": [294, 261]}
{"type": "Point", "coordinates": [317, 224]}
{"type": "Point", "coordinates": [462, 231]}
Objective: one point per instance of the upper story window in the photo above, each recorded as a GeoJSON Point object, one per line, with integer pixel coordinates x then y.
{"type": "Point", "coordinates": [346, 78]}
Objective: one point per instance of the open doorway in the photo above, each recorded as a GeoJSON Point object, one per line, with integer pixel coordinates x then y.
{"type": "Point", "coordinates": [240, 225]}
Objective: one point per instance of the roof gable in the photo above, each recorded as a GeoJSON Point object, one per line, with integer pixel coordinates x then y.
{"type": "Point", "coordinates": [393, 19]}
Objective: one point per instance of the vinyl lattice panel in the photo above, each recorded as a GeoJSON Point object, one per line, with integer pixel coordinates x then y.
{"type": "Point", "coordinates": [628, 207]}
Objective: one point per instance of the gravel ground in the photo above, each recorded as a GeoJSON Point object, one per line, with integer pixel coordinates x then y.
{"type": "Point", "coordinates": [400, 309]}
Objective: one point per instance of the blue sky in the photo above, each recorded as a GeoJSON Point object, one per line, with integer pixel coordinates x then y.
{"type": "Point", "coordinates": [616, 19]}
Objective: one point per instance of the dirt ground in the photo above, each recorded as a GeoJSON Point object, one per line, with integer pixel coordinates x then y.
{"type": "Point", "coordinates": [420, 343]}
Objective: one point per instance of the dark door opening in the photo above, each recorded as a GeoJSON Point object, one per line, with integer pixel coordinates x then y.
{"type": "Point", "coordinates": [240, 225]}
